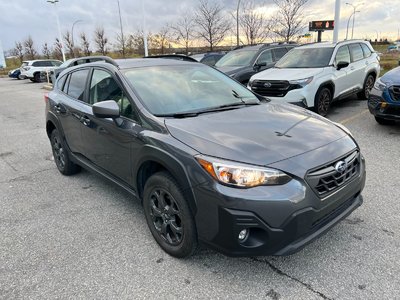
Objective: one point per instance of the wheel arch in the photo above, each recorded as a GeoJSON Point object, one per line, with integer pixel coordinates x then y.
{"type": "Point", "coordinates": [154, 160]}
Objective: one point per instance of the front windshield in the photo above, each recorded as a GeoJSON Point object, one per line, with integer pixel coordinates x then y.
{"type": "Point", "coordinates": [238, 58]}
{"type": "Point", "coordinates": [306, 58]}
{"type": "Point", "coordinates": [167, 90]}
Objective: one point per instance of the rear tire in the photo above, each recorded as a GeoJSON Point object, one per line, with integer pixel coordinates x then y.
{"type": "Point", "coordinates": [36, 77]}
{"type": "Point", "coordinates": [322, 101]}
{"type": "Point", "coordinates": [61, 155]}
{"type": "Point", "coordinates": [383, 121]}
{"type": "Point", "coordinates": [168, 215]}
{"type": "Point", "coordinates": [367, 87]}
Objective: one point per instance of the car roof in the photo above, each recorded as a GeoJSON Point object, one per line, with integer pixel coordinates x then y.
{"type": "Point", "coordinates": [331, 44]}
{"type": "Point", "coordinates": [264, 46]}
{"type": "Point", "coordinates": [149, 62]}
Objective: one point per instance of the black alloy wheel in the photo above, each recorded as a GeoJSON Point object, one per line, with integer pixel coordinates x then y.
{"type": "Point", "coordinates": [61, 156]}
{"type": "Point", "coordinates": [168, 215]}
{"type": "Point", "coordinates": [323, 101]}
{"type": "Point", "coordinates": [368, 85]}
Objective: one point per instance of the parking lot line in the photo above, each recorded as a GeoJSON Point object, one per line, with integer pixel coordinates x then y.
{"type": "Point", "coordinates": [350, 119]}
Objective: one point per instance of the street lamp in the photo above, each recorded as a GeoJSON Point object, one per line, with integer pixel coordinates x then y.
{"type": "Point", "coordinates": [146, 51]}
{"type": "Point", "coordinates": [122, 32]}
{"type": "Point", "coordinates": [348, 21]}
{"type": "Point", "coordinates": [354, 17]}
{"type": "Point", "coordinates": [237, 23]}
{"type": "Point", "coordinates": [58, 25]}
{"type": "Point", "coordinates": [72, 31]}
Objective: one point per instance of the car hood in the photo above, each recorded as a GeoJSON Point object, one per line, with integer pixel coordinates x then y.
{"type": "Point", "coordinates": [392, 77]}
{"type": "Point", "coordinates": [231, 70]}
{"type": "Point", "coordinates": [287, 74]}
{"type": "Point", "coordinates": [260, 134]}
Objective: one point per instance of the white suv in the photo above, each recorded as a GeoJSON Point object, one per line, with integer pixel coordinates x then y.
{"type": "Point", "coordinates": [314, 75]}
{"type": "Point", "coordinates": [31, 68]}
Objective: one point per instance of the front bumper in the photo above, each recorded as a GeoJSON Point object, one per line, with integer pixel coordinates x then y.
{"type": "Point", "coordinates": [303, 97]}
{"type": "Point", "coordinates": [280, 219]}
{"type": "Point", "coordinates": [381, 105]}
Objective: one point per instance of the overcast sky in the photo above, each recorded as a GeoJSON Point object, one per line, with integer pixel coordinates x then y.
{"type": "Point", "coordinates": [20, 18]}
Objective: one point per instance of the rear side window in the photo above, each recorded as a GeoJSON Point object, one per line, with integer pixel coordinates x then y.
{"type": "Point", "coordinates": [77, 82]}
{"type": "Point", "coordinates": [279, 53]}
{"type": "Point", "coordinates": [366, 50]}
{"type": "Point", "coordinates": [37, 64]}
{"type": "Point", "coordinates": [60, 82]}
{"type": "Point", "coordinates": [209, 60]}
{"type": "Point", "coordinates": [343, 55]}
{"type": "Point", "coordinates": [356, 52]}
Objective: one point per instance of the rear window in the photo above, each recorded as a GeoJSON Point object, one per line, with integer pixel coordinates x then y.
{"type": "Point", "coordinates": [77, 82]}
{"type": "Point", "coordinates": [356, 52]}
{"type": "Point", "coordinates": [367, 52]}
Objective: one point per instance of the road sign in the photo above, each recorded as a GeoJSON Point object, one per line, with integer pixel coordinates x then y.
{"type": "Point", "coordinates": [321, 25]}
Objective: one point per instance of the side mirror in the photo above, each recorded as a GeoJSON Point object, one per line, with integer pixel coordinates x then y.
{"type": "Point", "coordinates": [106, 109]}
{"type": "Point", "coordinates": [342, 65]}
{"type": "Point", "coordinates": [258, 66]}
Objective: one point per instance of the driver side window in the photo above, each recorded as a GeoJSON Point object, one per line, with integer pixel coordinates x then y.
{"type": "Point", "coordinates": [343, 55]}
{"type": "Point", "coordinates": [104, 87]}
{"type": "Point", "coordinates": [265, 58]}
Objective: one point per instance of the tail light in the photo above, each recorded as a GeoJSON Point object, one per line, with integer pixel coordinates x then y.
{"type": "Point", "coordinates": [46, 97]}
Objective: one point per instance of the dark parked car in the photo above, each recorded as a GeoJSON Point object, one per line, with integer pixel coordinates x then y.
{"type": "Point", "coordinates": [14, 73]}
{"type": "Point", "coordinates": [78, 61]}
{"type": "Point", "coordinates": [210, 160]}
{"type": "Point", "coordinates": [244, 62]}
{"type": "Point", "coordinates": [384, 98]}
{"type": "Point", "coordinates": [209, 58]}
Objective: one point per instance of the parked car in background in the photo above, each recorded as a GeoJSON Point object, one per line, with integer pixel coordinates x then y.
{"type": "Point", "coordinates": [14, 73]}
{"type": "Point", "coordinates": [209, 58]}
{"type": "Point", "coordinates": [210, 160]}
{"type": "Point", "coordinates": [384, 99]}
{"type": "Point", "coordinates": [77, 61]}
{"type": "Point", "coordinates": [32, 69]}
{"type": "Point", "coordinates": [315, 75]}
{"type": "Point", "coordinates": [243, 63]}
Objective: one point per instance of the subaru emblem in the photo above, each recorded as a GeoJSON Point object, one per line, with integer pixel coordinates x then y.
{"type": "Point", "coordinates": [267, 84]}
{"type": "Point", "coordinates": [341, 166]}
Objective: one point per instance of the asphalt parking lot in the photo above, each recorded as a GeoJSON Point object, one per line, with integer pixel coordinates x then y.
{"type": "Point", "coordinates": [83, 237]}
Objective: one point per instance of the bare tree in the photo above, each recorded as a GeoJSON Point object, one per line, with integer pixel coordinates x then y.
{"type": "Point", "coordinates": [289, 20]}
{"type": "Point", "coordinates": [161, 39]}
{"type": "Point", "coordinates": [135, 42]}
{"type": "Point", "coordinates": [69, 43]}
{"type": "Point", "coordinates": [46, 50]}
{"type": "Point", "coordinates": [182, 30]}
{"type": "Point", "coordinates": [101, 40]}
{"type": "Point", "coordinates": [19, 51]}
{"type": "Point", "coordinates": [254, 25]}
{"type": "Point", "coordinates": [57, 52]}
{"type": "Point", "coordinates": [85, 44]}
{"type": "Point", "coordinates": [30, 50]}
{"type": "Point", "coordinates": [211, 22]}
{"type": "Point", "coordinates": [121, 44]}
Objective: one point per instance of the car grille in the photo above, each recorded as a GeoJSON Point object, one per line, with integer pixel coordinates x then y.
{"type": "Point", "coordinates": [326, 179]}
{"type": "Point", "coordinates": [394, 92]}
{"type": "Point", "coordinates": [272, 88]}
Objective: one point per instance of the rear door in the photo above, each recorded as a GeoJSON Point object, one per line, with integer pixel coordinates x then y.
{"type": "Point", "coordinates": [357, 66]}
{"type": "Point", "coordinates": [69, 107]}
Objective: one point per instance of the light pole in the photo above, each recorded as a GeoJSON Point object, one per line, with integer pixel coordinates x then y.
{"type": "Point", "coordinates": [337, 21]}
{"type": "Point", "coordinates": [58, 25]}
{"type": "Point", "coordinates": [348, 21]}
{"type": "Point", "coordinates": [122, 32]}
{"type": "Point", "coordinates": [72, 31]}
{"type": "Point", "coordinates": [146, 51]}
{"type": "Point", "coordinates": [237, 23]}
{"type": "Point", "coordinates": [354, 13]}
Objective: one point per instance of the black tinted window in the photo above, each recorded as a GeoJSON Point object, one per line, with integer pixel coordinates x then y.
{"type": "Point", "coordinates": [367, 52]}
{"type": "Point", "coordinates": [104, 87]}
{"type": "Point", "coordinates": [37, 64]}
{"type": "Point", "coordinates": [76, 87]}
{"type": "Point", "coordinates": [279, 53]}
{"type": "Point", "coordinates": [356, 52]}
{"type": "Point", "coordinates": [265, 57]}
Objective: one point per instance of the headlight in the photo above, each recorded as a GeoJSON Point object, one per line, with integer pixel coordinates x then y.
{"type": "Point", "coordinates": [302, 82]}
{"type": "Point", "coordinates": [241, 175]}
{"type": "Point", "coordinates": [379, 85]}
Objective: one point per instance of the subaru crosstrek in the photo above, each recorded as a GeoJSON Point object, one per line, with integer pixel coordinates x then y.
{"type": "Point", "coordinates": [315, 75]}
{"type": "Point", "coordinates": [384, 99]}
{"type": "Point", "coordinates": [210, 160]}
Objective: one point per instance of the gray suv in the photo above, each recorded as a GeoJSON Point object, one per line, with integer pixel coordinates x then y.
{"type": "Point", "coordinates": [210, 160]}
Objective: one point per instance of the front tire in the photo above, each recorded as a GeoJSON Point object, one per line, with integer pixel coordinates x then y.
{"type": "Point", "coordinates": [323, 100]}
{"type": "Point", "coordinates": [36, 77]}
{"type": "Point", "coordinates": [168, 216]}
{"type": "Point", "coordinates": [368, 85]}
{"type": "Point", "coordinates": [61, 155]}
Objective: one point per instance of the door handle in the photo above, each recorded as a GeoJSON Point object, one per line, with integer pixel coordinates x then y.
{"type": "Point", "coordinates": [352, 68]}
{"type": "Point", "coordinates": [85, 121]}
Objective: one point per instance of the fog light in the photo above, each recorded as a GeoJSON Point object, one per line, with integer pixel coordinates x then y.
{"type": "Point", "coordinates": [243, 235]}
{"type": "Point", "coordinates": [384, 104]}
